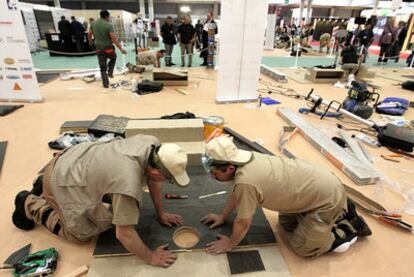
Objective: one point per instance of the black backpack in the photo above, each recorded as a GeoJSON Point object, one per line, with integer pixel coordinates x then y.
{"type": "Point", "coordinates": [408, 85]}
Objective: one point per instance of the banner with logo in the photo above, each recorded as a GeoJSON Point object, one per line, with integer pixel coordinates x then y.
{"type": "Point", "coordinates": [18, 80]}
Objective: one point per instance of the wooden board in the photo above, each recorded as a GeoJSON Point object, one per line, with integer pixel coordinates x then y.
{"type": "Point", "coordinates": [75, 126]}
{"type": "Point", "coordinates": [3, 145]}
{"type": "Point", "coordinates": [198, 264]}
{"type": "Point", "coordinates": [296, 74]}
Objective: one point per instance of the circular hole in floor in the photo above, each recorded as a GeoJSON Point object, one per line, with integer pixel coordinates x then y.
{"type": "Point", "coordinates": [186, 237]}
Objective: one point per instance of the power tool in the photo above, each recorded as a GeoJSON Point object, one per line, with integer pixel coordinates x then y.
{"type": "Point", "coordinates": [389, 135]}
{"type": "Point", "coordinates": [39, 264]}
{"type": "Point", "coordinates": [359, 98]}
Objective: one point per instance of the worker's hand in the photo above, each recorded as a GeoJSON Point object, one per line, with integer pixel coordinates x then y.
{"type": "Point", "coordinates": [162, 257]}
{"type": "Point", "coordinates": [123, 51]}
{"type": "Point", "coordinates": [170, 219]}
{"type": "Point", "coordinates": [222, 245]}
{"type": "Point", "coordinates": [215, 220]}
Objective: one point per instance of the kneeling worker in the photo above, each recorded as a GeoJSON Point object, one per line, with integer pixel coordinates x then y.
{"type": "Point", "coordinates": [311, 201]}
{"type": "Point", "coordinates": [150, 57]}
{"type": "Point", "coordinates": [69, 198]}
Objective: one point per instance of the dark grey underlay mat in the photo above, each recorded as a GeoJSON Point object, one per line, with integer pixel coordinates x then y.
{"type": "Point", "coordinates": [7, 109]}
{"type": "Point", "coordinates": [46, 77]}
{"type": "Point", "coordinates": [3, 145]}
{"type": "Point", "coordinates": [245, 261]}
{"type": "Point", "coordinates": [192, 210]}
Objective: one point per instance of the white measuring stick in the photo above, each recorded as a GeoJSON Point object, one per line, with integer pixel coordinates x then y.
{"type": "Point", "coordinates": [212, 194]}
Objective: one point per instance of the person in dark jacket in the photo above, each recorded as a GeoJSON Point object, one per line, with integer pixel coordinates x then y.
{"type": "Point", "coordinates": [366, 37]}
{"type": "Point", "coordinates": [78, 33]}
{"type": "Point", "coordinates": [65, 33]}
{"type": "Point", "coordinates": [401, 35]}
{"type": "Point", "coordinates": [168, 37]}
{"type": "Point", "coordinates": [199, 31]}
{"type": "Point", "coordinates": [207, 25]}
{"type": "Point", "coordinates": [186, 36]}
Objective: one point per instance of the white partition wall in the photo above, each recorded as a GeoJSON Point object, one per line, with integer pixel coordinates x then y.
{"type": "Point", "coordinates": [243, 24]}
{"type": "Point", "coordinates": [18, 80]}
{"type": "Point", "coordinates": [270, 32]}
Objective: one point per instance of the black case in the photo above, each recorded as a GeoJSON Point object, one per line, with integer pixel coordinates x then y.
{"type": "Point", "coordinates": [397, 137]}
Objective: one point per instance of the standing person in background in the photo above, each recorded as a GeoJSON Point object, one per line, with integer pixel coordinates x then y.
{"type": "Point", "coordinates": [199, 31]}
{"type": "Point", "coordinates": [387, 38]}
{"type": "Point", "coordinates": [140, 31]}
{"type": "Point", "coordinates": [78, 32]}
{"type": "Point", "coordinates": [186, 36]}
{"type": "Point", "coordinates": [65, 33]}
{"type": "Point", "coordinates": [401, 35]}
{"type": "Point", "coordinates": [168, 37]}
{"type": "Point", "coordinates": [91, 22]}
{"type": "Point", "coordinates": [204, 52]}
{"type": "Point", "coordinates": [104, 35]}
{"type": "Point", "coordinates": [366, 38]}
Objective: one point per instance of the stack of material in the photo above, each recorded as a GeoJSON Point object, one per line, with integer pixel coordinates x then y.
{"type": "Point", "coordinates": [75, 126]}
{"type": "Point", "coordinates": [358, 171]}
{"type": "Point", "coordinates": [273, 74]}
{"type": "Point", "coordinates": [171, 77]}
{"type": "Point", "coordinates": [187, 133]}
{"type": "Point", "coordinates": [322, 75]}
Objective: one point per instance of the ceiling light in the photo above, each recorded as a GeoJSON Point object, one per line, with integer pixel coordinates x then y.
{"type": "Point", "coordinates": [185, 9]}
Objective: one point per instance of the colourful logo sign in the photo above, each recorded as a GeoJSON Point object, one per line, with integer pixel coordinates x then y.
{"type": "Point", "coordinates": [9, 61]}
{"type": "Point", "coordinates": [11, 68]}
{"type": "Point", "coordinates": [27, 76]}
{"type": "Point", "coordinates": [25, 68]}
{"type": "Point", "coordinates": [17, 87]}
{"type": "Point", "coordinates": [23, 61]}
{"type": "Point", "coordinates": [12, 77]}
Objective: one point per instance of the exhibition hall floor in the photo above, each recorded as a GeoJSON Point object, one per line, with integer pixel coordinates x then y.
{"type": "Point", "coordinates": [276, 58]}
{"type": "Point", "coordinates": [28, 130]}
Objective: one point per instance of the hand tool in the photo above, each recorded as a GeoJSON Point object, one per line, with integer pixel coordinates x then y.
{"type": "Point", "coordinates": [175, 196]}
{"type": "Point", "coordinates": [212, 194]}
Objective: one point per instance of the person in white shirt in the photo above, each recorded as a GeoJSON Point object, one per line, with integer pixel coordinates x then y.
{"type": "Point", "coordinates": [141, 30]}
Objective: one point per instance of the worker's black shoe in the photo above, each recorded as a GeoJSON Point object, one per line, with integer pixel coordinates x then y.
{"type": "Point", "coordinates": [37, 188]}
{"type": "Point", "coordinates": [19, 216]}
{"type": "Point", "coordinates": [111, 75]}
{"type": "Point", "coordinates": [357, 222]}
{"type": "Point", "coordinates": [344, 238]}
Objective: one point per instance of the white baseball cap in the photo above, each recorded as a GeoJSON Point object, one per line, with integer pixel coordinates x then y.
{"type": "Point", "coordinates": [223, 149]}
{"type": "Point", "coordinates": [174, 160]}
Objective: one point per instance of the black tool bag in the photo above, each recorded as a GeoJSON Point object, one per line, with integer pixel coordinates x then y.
{"type": "Point", "coordinates": [147, 87]}
{"type": "Point", "coordinates": [408, 85]}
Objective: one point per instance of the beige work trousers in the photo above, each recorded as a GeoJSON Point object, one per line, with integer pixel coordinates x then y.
{"type": "Point", "coordinates": [186, 48]}
{"type": "Point", "coordinates": [44, 210]}
{"type": "Point", "coordinates": [310, 234]}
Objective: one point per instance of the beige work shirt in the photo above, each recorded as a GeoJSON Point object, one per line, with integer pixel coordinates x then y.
{"type": "Point", "coordinates": [125, 209]}
{"type": "Point", "coordinates": [88, 171]}
{"type": "Point", "coordinates": [147, 58]}
{"type": "Point", "coordinates": [284, 185]}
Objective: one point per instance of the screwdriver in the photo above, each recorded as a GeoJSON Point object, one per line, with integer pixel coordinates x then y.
{"type": "Point", "coordinates": [175, 196]}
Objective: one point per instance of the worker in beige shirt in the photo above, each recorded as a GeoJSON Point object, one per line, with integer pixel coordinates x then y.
{"type": "Point", "coordinates": [311, 201]}
{"type": "Point", "coordinates": [150, 58]}
{"type": "Point", "coordinates": [71, 198]}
